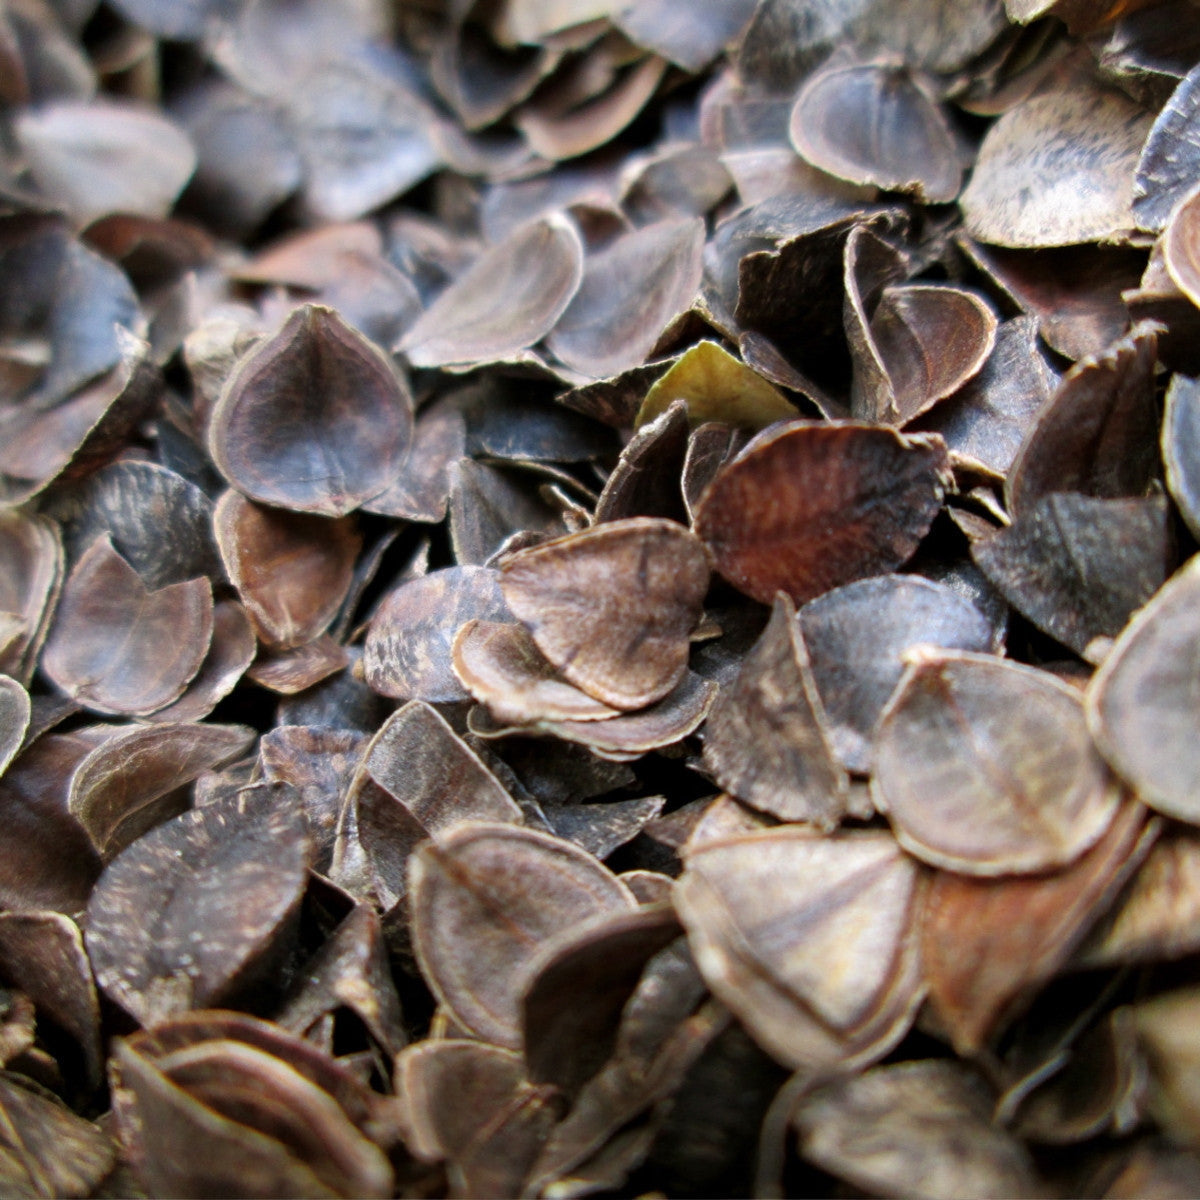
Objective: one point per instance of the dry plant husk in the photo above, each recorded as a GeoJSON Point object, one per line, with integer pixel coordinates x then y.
{"type": "Point", "coordinates": [407, 651]}
{"type": "Point", "coordinates": [860, 498]}
{"type": "Point", "coordinates": [315, 419]}
{"type": "Point", "coordinates": [928, 1118]}
{"type": "Point", "coordinates": [857, 637]}
{"type": "Point", "coordinates": [197, 874]}
{"type": "Point", "coordinates": [980, 965]}
{"type": "Point", "coordinates": [1095, 434]}
{"type": "Point", "coordinates": [612, 607]}
{"type": "Point", "coordinates": [1123, 548]}
{"type": "Point", "coordinates": [117, 647]}
{"type": "Point", "coordinates": [489, 885]}
{"type": "Point", "coordinates": [876, 124]}
{"type": "Point", "coordinates": [538, 270]}
{"type": "Point", "coordinates": [596, 598]}
{"type": "Point", "coordinates": [501, 666]}
{"type": "Point", "coordinates": [1158, 643]}
{"type": "Point", "coordinates": [761, 924]}
{"type": "Point", "coordinates": [1076, 292]}
{"type": "Point", "coordinates": [1038, 136]}
{"type": "Point", "coordinates": [1179, 432]}
{"type": "Point", "coordinates": [955, 793]}
{"type": "Point", "coordinates": [767, 741]}
{"type": "Point", "coordinates": [471, 1106]}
